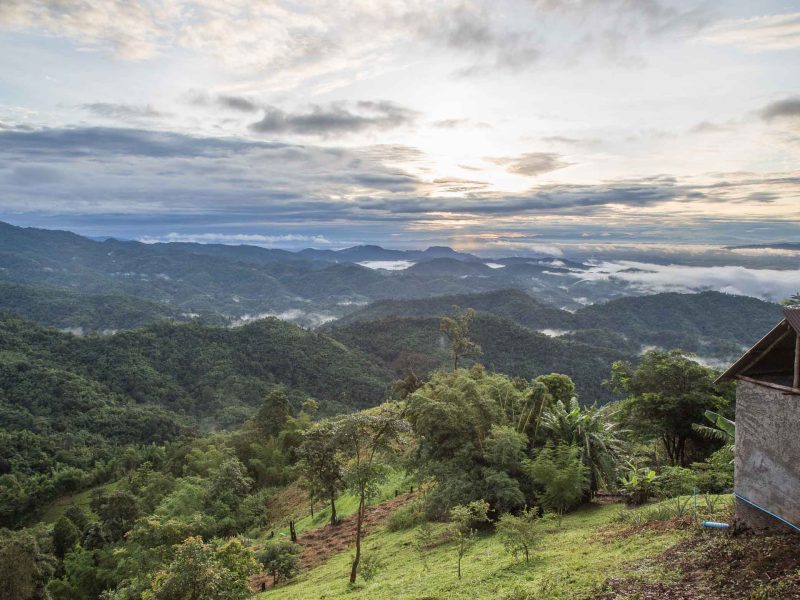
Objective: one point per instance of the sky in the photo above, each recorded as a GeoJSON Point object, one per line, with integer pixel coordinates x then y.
{"type": "Point", "coordinates": [506, 126]}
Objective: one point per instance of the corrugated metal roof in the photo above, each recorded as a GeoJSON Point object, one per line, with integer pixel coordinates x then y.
{"type": "Point", "coordinates": [775, 334]}
{"type": "Point", "coordinates": [792, 316]}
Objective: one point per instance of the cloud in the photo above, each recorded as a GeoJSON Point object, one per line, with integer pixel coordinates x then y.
{"type": "Point", "coordinates": [532, 163]}
{"type": "Point", "coordinates": [335, 119]}
{"type": "Point", "coordinates": [152, 181]}
{"type": "Point", "coordinates": [34, 176]}
{"type": "Point", "coordinates": [121, 111]}
{"type": "Point", "coordinates": [134, 30]}
{"type": "Point", "coordinates": [239, 103]}
{"type": "Point", "coordinates": [250, 239]}
{"type": "Point", "coordinates": [757, 34]}
{"type": "Point", "coordinates": [786, 108]}
{"type": "Point", "coordinates": [767, 284]}
{"type": "Point", "coordinates": [458, 123]}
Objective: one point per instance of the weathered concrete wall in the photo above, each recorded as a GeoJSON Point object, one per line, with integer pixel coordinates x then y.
{"type": "Point", "coordinates": [767, 455]}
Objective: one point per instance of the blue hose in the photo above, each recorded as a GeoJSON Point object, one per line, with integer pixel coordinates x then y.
{"type": "Point", "coordinates": [715, 525]}
{"type": "Point", "coordinates": [770, 513]}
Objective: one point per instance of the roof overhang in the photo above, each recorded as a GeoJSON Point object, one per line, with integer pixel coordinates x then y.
{"type": "Point", "coordinates": [789, 326]}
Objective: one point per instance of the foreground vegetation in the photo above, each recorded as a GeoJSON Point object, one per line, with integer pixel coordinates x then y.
{"type": "Point", "coordinates": [506, 471]}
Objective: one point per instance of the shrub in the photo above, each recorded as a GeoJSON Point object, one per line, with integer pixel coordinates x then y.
{"type": "Point", "coordinates": [519, 534]}
{"type": "Point", "coordinates": [369, 566]}
{"type": "Point", "coordinates": [637, 484]}
{"type": "Point", "coordinates": [563, 476]}
{"type": "Point", "coordinates": [676, 481]}
{"type": "Point", "coordinates": [280, 560]}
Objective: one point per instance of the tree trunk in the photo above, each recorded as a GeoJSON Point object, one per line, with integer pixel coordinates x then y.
{"type": "Point", "coordinates": [333, 509]}
{"type": "Point", "coordinates": [359, 520]}
{"type": "Point", "coordinates": [455, 361]}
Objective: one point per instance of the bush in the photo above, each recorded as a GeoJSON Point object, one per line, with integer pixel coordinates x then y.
{"type": "Point", "coordinates": [280, 560]}
{"type": "Point", "coordinates": [519, 534]}
{"type": "Point", "coordinates": [369, 566]}
{"type": "Point", "coordinates": [637, 485]}
{"type": "Point", "coordinates": [676, 481]}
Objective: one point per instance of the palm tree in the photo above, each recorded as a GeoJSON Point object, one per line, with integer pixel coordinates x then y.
{"type": "Point", "coordinates": [592, 432]}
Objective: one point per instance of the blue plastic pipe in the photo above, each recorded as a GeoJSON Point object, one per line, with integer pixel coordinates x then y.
{"type": "Point", "coordinates": [715, 525]}
{"type": "Point", "coordinates": [770, 513]}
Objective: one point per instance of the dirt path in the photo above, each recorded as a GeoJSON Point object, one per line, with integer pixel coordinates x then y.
{"type": "Point", "coordinates": [322, 543]}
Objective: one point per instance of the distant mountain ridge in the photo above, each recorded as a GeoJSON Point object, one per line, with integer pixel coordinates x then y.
{"type": "Point", "coordinates": [709, 323]}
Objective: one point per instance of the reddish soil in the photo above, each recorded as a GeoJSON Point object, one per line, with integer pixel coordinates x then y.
{"type": "Point", "coordinates": [720, 567]}
{"type": "Point", "coordinates": [322, 543]}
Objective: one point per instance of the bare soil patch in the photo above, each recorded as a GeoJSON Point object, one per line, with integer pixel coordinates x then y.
{"type": "Point", "coordinates": [719, 567]}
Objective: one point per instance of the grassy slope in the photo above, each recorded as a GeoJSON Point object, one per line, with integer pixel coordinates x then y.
{"type": "Point", "coordinates": [572, 561]}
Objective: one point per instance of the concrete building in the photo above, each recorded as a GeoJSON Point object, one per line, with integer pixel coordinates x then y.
{"type": "Point", "coordinates": [767, 464]}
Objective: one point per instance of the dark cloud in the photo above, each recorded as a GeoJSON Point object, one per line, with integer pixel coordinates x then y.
{"type": "Point", "coordinates": [470, 29]}
{"type": "Point", "coordinates": [110, 110]}
{"type": "Point", "coordinates": [788, 107]}
{"type": "Point", "coordinates": [109, 141]}
{"type": "Point", "coordinates": [532, 163]}
{"type": "Point", "coordinates": [335, 119]}
{"type": "Point", "coordinates": [239, 103]}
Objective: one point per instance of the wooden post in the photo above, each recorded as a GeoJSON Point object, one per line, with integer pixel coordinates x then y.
{"type": "Point", "coordinates": [796, 383]}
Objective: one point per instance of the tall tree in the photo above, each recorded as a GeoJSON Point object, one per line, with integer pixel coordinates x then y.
{"type": "Point", "coordinates": [457, 329]}
{"type": "Point", "coordinates": [666, 394]}
{"type": "Point", "coordinates": [362, 436]}
{"type": "Point", "coordinates": [321, 464]}
{"type": "Point", "coordinates": [273, 413]}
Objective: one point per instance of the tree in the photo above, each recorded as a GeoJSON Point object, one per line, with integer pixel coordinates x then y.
{"type": "Point", "coordinates": [24, 566]}
{"type": "Point", "coordinates": [320, 463]}
{"type": "Point", "coordinates": [593, 432]}
{"type": "Point", "coordinates": [562, 475]}
{"type": "Point", "coordinates": [666, 394]}
{"type": "Point", "coordinates": [228, 485]}
{"type": "Point", "coordinates": [457, 328]}
{"type": "Point", "coordinates": [117, 511]}
{"type": "Point", "coordinates": [559, 386]}
{"type": "Point", "coordinates": [519, 534]}
{"type": "Point", "coordinates": [473, 430]}
{"type": "Point", "coordinates": [202, 571]}
{"type": "Point", "coordinates": [361, 437]}
{"type": "Point", "coordinates": [792, 301]}
{"type": "Point", "coordinates": [280, 560]}
{"type": "Point", "coordinates": [65, 536]}
{"type": "Point", "coordinates": [462, 520]}
{"type": "Point", "coordinates": [273, 413]}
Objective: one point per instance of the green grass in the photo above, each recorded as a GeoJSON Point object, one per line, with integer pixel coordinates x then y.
{"type": "Point", "coordinates": [82, 499]}
{"type": "Point", "coordinates": [347, 504]}
{"type": "Point", "coordinates": [571, 561]}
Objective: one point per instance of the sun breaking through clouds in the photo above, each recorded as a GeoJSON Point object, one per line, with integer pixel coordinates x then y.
{"type": "Point", "coordinates": [517, 122]}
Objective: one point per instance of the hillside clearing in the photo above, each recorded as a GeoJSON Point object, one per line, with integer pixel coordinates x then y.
{"type": "Point", "coordinates": [573, 560]}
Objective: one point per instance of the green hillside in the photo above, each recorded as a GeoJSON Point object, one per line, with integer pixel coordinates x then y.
{"type": "Point", "coordinates": [67, 309]}
{"type": "Point", "coordinates": [509, 348]}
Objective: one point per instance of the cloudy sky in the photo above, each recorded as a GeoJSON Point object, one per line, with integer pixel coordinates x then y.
{"type": "Point", "coordinates": [501, 125]}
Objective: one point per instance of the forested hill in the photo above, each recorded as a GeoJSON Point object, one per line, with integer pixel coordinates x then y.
{"type": "Point", "coordinates": [416, 343]}
{"type": "Point", "coordinates": [199, 371]}
{"type": "Point", "coordinates": [512, 304]}
{"type": "Point", "coordinates": [709, 323]}
{"type": "Point", "coordinates": [83, 313]}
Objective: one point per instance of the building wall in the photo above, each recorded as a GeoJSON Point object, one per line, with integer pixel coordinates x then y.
{"type": "Point", "coordinates": [767, 455]}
